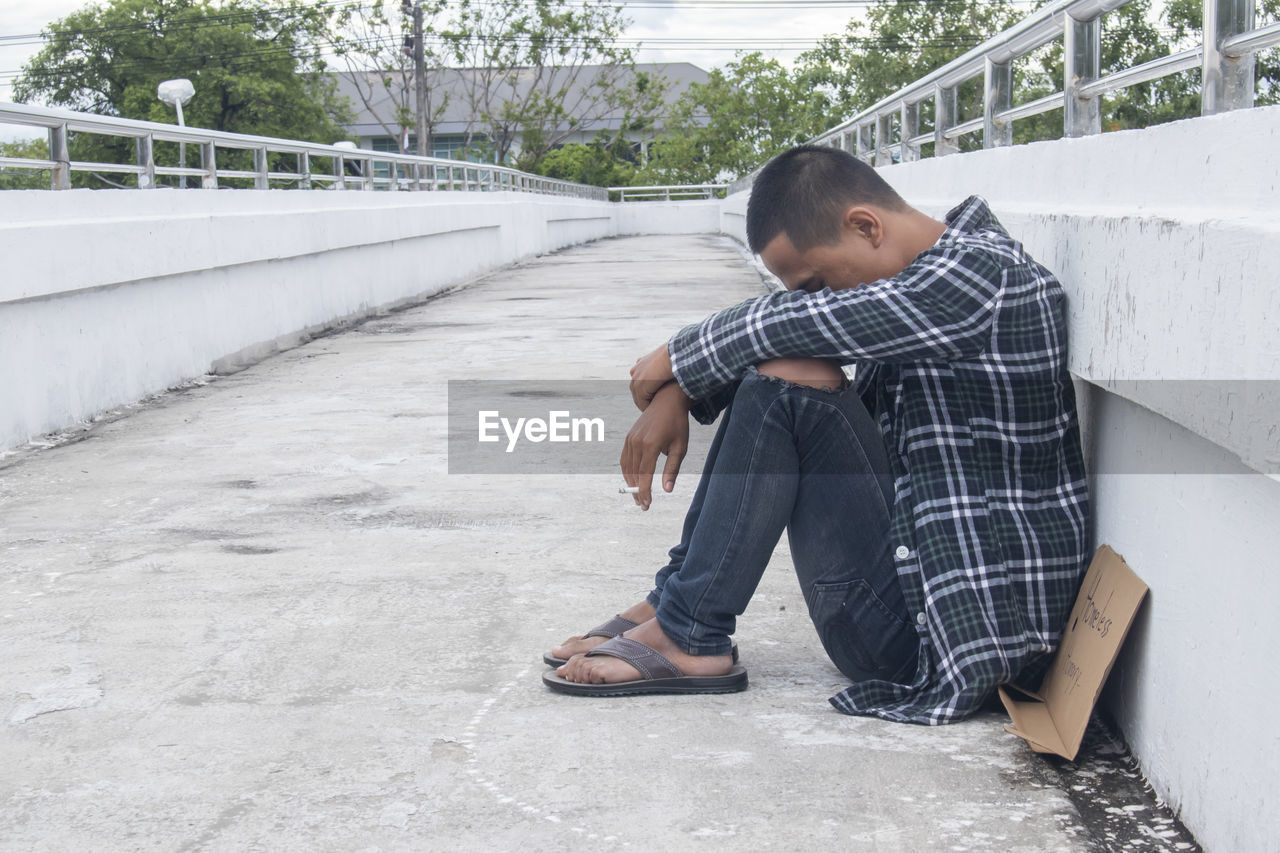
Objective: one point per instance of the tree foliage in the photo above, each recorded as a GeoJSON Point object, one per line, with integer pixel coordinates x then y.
{"type": "Point", "coordinates": [536, 73]}
{"type": "Point", "coordinates": [256, 69]}
{"type": "Point", "coordinates": [745, 113]}
{"type": "Point", "coordinates": [597, 163]}
{"type": "Point", "coordinates": [369, 40]}
{"type": "Point", "coordinates": [25, 179]}
{"type": "Point", "coordinates": [898, 43]}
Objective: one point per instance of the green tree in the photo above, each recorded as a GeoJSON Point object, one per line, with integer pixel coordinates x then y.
{"type": "Point", "coordinates": [595, 163]}
{"type": "Point", "coordinates": [899, 42]}
{"type": "Point", "coordinates": [1185, 19]}
{"type": "Point", "coordinates": [256, 69]}
{"type": "Point", "coordinates": [537, 73]}
{"type": "Point", "coordinates": [1130, 37]}
{"type": "Point", "coordinates": [744, 114]}
{"type": "Point", "coordinates": [368, 36]}
{"type": "Point", "coordinates": [24, 179]}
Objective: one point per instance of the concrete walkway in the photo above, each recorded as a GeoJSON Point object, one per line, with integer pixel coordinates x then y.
{"type": "Point", "coordinates": [260, 614]}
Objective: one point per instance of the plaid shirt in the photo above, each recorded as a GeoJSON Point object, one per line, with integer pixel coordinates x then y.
{"type": "Point", "coordinates": [962, 356]}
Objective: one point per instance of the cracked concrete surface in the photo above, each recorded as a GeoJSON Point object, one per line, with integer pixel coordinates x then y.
{"type": "Point", "coordinates": [259, 614]}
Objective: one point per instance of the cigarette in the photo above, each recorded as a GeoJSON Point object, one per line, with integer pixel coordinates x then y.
{"type": "Point", "coordinates": [629, 490]}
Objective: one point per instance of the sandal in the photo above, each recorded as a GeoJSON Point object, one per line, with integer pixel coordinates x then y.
{"type": "Point", "coordinates": [614, 627]}
{"type": "Point", "coordinates": [658, 675]}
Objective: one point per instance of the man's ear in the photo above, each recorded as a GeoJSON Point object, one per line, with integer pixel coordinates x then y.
{"type": "Point", "coordinates": [866, 222]}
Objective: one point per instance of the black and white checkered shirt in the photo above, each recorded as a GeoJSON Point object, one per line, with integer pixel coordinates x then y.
{"type": "Point", "coordinates": [963, 357]}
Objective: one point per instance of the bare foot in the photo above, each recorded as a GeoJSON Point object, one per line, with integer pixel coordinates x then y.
{"type": "Point", "coordinates": [602, 669]}
{"type": "Point", "coordinates": [637, 613]}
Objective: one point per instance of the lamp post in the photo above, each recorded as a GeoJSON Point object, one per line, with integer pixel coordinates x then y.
{"type": "Point", "coordinates": [175, 93]}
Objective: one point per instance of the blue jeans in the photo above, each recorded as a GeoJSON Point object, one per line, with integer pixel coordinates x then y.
{"type": "Point", "coordinates": [813, 462]}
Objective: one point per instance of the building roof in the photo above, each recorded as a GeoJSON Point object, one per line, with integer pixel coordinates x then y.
{"type": "Point", "coordinates": [453, 83]}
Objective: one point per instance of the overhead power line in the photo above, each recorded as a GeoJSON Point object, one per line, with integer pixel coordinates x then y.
{"type": "Point", "coordinates": [246, 16]}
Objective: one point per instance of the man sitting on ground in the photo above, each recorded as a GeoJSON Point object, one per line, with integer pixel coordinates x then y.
{"type": "Point", "coordinates": [936, 509]}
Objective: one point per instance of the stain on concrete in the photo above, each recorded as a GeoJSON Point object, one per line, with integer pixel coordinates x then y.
{"type": "Point", "coordinates": [366, 497]}
{"type": "Point", "coordinates": [249, 549]}
{"type": "Point", "coordinates": [201, 534]}
{"type": "Point", "coordinates": [240, 484]}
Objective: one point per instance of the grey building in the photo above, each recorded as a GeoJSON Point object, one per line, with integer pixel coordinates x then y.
{"type": "Point", "coordinates": [375, 124]}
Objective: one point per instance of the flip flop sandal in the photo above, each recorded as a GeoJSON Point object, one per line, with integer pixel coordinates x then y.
{"type": "Point", "coordinates": [659, 675]}
{"type": "Point", "coordinates": [614, 627]}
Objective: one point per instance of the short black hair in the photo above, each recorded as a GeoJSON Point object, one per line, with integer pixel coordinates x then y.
{"type": "Point", "coordinates": [804, 193]}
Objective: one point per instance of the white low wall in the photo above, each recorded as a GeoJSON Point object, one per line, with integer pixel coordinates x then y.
{"type": "Point", "coordinates": [668, 217]}
{"type": "Point", "coordinates": [1168, 243]}
{"type": "Point", "coordinates": [109, 296]}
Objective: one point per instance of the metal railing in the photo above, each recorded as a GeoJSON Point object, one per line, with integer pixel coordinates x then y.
{"type": "Point", "coordinates": [674, 192]}
{"type": "Point", "coordinates": [889, 131]}
{"type": "Point", "coordinates": [340, 167]}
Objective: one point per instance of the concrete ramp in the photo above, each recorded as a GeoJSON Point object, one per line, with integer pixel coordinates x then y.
{"type": "Point", "coordinates": [259, 613]}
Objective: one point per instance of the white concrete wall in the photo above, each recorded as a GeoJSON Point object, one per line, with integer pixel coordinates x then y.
{"type": "Point", "coordinates": [1168, 243]}
{"type": "Point", "coordinates": [109, 296]}
{"type": "Point", "coordinates": [668, 217]}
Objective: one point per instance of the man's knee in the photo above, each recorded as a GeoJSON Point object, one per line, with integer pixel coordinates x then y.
{"type": "Point", "coordinates": [814, 372]}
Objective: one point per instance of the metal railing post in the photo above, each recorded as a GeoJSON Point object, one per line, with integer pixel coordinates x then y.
{"type": "Point", "coordinates": [339, 172]}
{"type": "Point", "coordinates": [60, 154]}
{"type": "Point", "coordinates": [1226, 82]}
{"type": "Point", "coordinates": [907, 152]}
{"type": "Point", "coordinates": [946, 109]}
{"type": "Point", "coordinates": [209, 162]}
{"type": "Point", "coordinates": [304, 171]}
{"type": "Point", "coordinates": [884, 157]}
{"type": "Point", "coordinates": [866, 142]}
{"type": "Point", "coordinates": [366, 173]}
{"type": "Point", "coordinates": [260, 180]}
{"type": "Point", "coordinates": [146, 154]}
{"type": "Point", "coordinates": [997, 96]}
{"type": "Point", "coordinates": [1082, 63]}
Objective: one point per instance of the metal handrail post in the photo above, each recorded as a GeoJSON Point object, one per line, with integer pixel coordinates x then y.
{"type": "Point", "coordinates": [146, 154]}
{"type": "Point", "coordinates": [1226, 82]}
{"type": "Point", "coordinates": [260, 180]}
{"type": "Point", "coordinates": [339, 172]}
{"type": "Point", "coordinates": [60, 154]}
{"type": "Point", "coordinates": [209, 162]}
{"type": "Point", "coordinates": [1082, 64]}
{"type": "Point", "coordinates": [884, 156]}
{"type": "Point", "coordinates": [366, 173]}
{"type": "Point", "coordinates": [946, 109]}
{"type": "Point", "coordinates": [866, 142]}
{"type": "Point", "coordinates": [908, 153]}
{"type": "Point", "coordinates": [304, 171]}
{"type": "Point", "coordinates": [997, 96]}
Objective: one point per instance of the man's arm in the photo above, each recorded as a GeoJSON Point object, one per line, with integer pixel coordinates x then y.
{"type": "Point", "coordinates": [940, 308]}
{"type": "Point", "coordinates": [652, 371]}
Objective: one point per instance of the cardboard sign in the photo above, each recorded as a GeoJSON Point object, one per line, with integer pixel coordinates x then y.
{"type": "Point", "coordinates": [1054, 719]}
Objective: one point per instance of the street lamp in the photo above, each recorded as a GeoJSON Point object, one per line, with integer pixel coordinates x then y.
{"type": "Point", "coordinates": [175, 93]}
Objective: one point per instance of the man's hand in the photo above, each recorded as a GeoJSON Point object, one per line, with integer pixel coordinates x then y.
{"type": "Point", "coordinates": [663, 428]}
{"type": "Point", "coordinates": [651, 372]}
